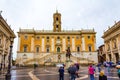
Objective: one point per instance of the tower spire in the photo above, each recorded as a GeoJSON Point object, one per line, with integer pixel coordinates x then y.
{"type": "Point", "coordinates": [56, 10]}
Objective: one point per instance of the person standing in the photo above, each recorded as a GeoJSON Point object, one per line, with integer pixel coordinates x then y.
{"type": "Point", "coordinates": [61, 73]}
{"type": "Point", "coordinates": [102, 76]}
{"type": "Point", "coordinates": [91, 72]}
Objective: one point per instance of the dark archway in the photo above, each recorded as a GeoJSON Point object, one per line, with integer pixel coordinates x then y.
{"type": "Point", "coordinates": [58, 49]}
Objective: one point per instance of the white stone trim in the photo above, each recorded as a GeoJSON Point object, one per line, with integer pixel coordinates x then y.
{"type": "Point", "coordinates": [83, 44]}
{"type": "Point", "coordinates": [73, 44]}
{"type": "Point", "coordinates": [118, 42]}
{"type": "Point", "coordinates": [64, 44]}
{"type": "Point", "coordinates": [18, 47]}
{"type": "Point", "coordinates": [32, 44]}
{"type": "Point", "coordinates": [112, 56]}
{"type": "Point", "coordinates": [52, 45]}
{"type": "Point", "coordinates": [95, 46]}
{"type": "Point", "coordinates": [43, 44]}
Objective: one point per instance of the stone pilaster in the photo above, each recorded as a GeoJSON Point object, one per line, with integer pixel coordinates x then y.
{"type": "Point", "coordinates": [83, 44]}
{"type": "Point", "coordinates": [118, 46]}
{"type": "Point", "coordinates": [52, 45]}
{"type": "Point", "coordinates": [64, 44]}
{"type": "Point", "coordinates": [32, 44]}
{"type": "Point", "coordinates": [73, 44]}
{"type": "Point", "coordinates": [112, 55]}
{"type": "Point", "coordinates": [43, 45]}
{"type": "Point", "coordinates": [18, 47]}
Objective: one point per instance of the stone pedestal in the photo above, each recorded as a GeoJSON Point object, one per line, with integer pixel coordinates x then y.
{"type": "Point", "coordinates": [68, 63]}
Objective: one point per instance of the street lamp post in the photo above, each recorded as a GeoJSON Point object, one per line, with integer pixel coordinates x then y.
{"type": "Point", "coordinates": [8, 75]}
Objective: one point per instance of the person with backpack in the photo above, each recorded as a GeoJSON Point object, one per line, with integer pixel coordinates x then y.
{"type": "Point", "coordinates": [72, 71]}
{"type": "Point", "coordinates": [77, 66]}
{"type": "Point", "coordinates": [91, 72]}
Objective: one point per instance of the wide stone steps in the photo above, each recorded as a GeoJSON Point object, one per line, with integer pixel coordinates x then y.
{"type": "Point", "coordinates": [53, 58]}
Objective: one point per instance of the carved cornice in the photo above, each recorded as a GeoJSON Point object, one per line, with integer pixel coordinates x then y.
{"type": "Point", "coordinates": [111, 30]}
{"type": "Point", "coordinates": [50, 32]}
{"type": "Point", "coordinates": [6, 27]}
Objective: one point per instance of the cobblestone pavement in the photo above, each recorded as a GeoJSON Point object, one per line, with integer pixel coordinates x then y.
{"type": "Point", "coordinates": [51, 73]}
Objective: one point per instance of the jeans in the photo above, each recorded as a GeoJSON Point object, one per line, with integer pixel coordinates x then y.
{"type": "Point", "coordinates": [92, 77]}
{"type": "Point", "coordinates": [73, 76]}
{"type": "Point", "coordinates": [61, 77]}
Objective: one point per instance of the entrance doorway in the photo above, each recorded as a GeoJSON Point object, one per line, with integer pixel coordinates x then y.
{"type": "Point", "coordinates": [58, 49]}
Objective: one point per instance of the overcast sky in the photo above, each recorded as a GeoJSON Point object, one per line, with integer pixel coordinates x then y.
{"type": "Point", "coordinates": [76, 15]}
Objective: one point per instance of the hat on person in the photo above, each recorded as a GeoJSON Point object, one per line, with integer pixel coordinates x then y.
{"type": "Point", "coordinates": [101, 73]}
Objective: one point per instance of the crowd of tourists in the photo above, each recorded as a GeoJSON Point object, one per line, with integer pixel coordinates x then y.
{"type": "Point", "coordinates": [72, 71]}
{"type": "Point", "coordinates": [92, 69]}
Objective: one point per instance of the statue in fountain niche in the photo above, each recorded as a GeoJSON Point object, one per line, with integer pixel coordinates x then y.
{"type": "Point", "coordinates": [68, 54]}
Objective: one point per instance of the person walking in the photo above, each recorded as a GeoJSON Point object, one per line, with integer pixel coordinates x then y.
{"type": "Point", "coordinates": [77, 66]}
{"type": "Point", "coordinates": [91, 72]}
{"type": "Point", "coordinates": [61, 73]}
{"type": "Point", "coordinates": [72, 70]}
{"type": "Point", "coordinates": [99, 67]}
{"type": "Point", "coordinates": [102, 76]}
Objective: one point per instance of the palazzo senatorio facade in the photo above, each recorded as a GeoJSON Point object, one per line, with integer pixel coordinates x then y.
{"type": "Point", "coordinates": [112, 43]}
{"type": "Point", "coordinates": [40, 46]}
{"type": "Point", "coordinates": [6, 35]}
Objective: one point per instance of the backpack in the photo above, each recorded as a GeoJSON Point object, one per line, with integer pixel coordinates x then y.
{"type": "Point", "coordinates": [118, 71]}
{"type": "Point", "coordinates": [72, 70]}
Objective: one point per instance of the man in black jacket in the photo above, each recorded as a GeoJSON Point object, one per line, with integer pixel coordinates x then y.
{"type": "Point", "coordinates": [61, 73]}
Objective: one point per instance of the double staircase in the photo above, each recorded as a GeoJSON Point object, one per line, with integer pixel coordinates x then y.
{"type": "Point", "coordinates": [53, 58]}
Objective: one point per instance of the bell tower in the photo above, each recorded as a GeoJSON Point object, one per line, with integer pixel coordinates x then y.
{"type": "Point", "coordinates": [56, 22]}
